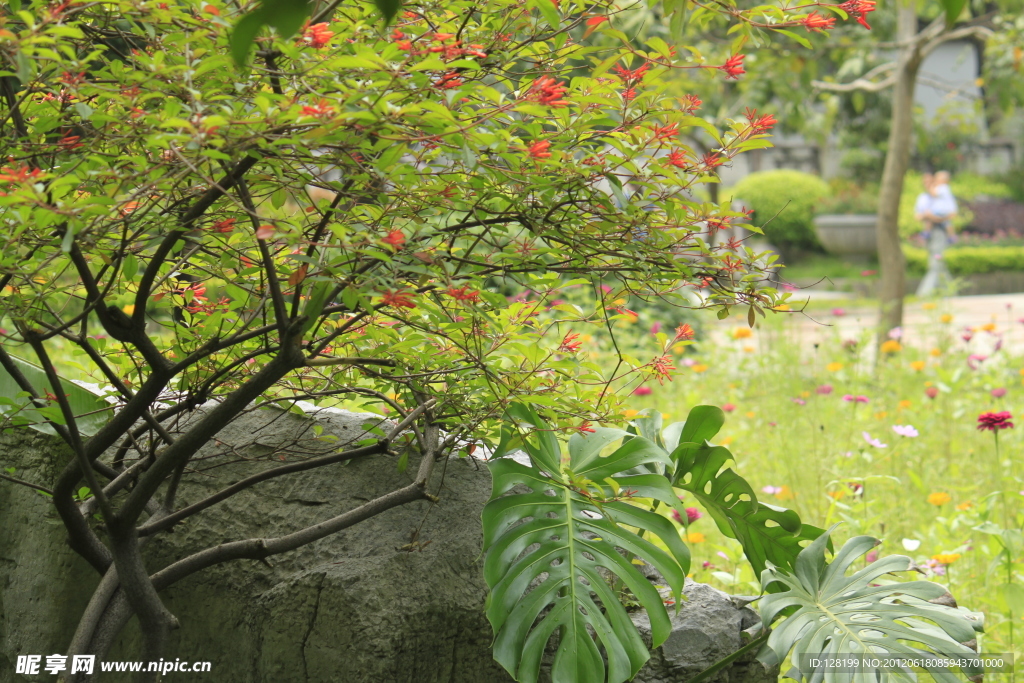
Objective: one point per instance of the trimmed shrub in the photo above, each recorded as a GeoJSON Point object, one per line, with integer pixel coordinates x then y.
{"type": "Point", "coordinates": [783, 202]}
{"type": "Point", "coordinates": [969, 260]}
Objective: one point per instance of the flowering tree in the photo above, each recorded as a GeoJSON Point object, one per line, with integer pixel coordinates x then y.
{"type": "Point", "coordinates": [353, 216]}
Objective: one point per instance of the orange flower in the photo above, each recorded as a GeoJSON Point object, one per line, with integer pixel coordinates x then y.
{"type": "Point", "coordinates": [317, 35]}
{"type": "Point", "coordinates": [400, 299]}
{"type": "Point", "coordinates": [539, 149]}
{"type": "Point", "coordinates": [939, 498]}
{"type": "Point", "coordinates": [684, 332]}
{"type": "Point", "coordinates": [946, 558]}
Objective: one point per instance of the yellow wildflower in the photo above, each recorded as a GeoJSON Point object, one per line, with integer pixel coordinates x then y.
{"type": "Point", "coordinates": [904, 404]}
{"type": "Point", "coordinates": [836, 495]}
{"type": "Point", "coordinates": [881, 415]}
{"type": "Point", "coordinates": [988, 327]}
{"type": "Point", "coordinates": [699, 367]}
{"type": "Point", "coordinates": [750, 413]}
{"type": "Point", "coordinates": [939, 498]}
{"type": "Point", "coordinates": [918, 365]}
{"type": "Point", "coordinates": [935, 352]}
{"type": "Point", "coordinates": [742, 333]}
{"type": "Point", "coordinates": [966, 505]}
{"type": "Point", "coordinates": [631, 413]}
{"type": "Point", "coordinates": [836, 367]}
{"type": "Point", "coordinates": [679, 348]}
{"type": "Point", "coordinates": [748, 349]}
{"type": "Point", "coordinates": [929, 306]}
{"type": "Point", "coordinates": [129, 309]}
{"type": "Point", "coordinates": [698, 537]}
{"type": "Point", "coordinates": [891, 346]}
{"type": "Point", "coordinates": [726, 441]}
{"type": "Point", "coordinates": [946, 318]}
{"type": "Point", "coordinates": [946, 558]}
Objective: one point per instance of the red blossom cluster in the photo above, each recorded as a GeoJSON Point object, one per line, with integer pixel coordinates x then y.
{"type": "Point", "coordinates": [448, 50]}
{"type": "Point", "coordinates": [539, 149]}
{"type": "Point", "coordinates": [733, 66]}
{"type": "Point", "coordinates": [569, 343]}
{"type": "Point", "coordinates": [666, 132]}
{"type": "Point", "coordinates": [395, 238]}
{"type": "Point", "coordinates": [690, 103]}
{"type": "Point", "coordinates": [198, 303]}
{"type": "Point", "coordinates": [317, 35]}
{"type": "Point", "coordinates": [546, 90]}
{"type": "Point", "coordinates": [321, 110]}
{"type": "Point", "coordinates": [19, 175]}
{"type": "Point", "coordinates": [684, 333]}
{"type": "Point", "coordinates": [662, 368]}
{"type": "Point", "coordinates": [448, 80]}
{"type": "Point", "coordinates": [226, 225]}
{"type": "Point", "coordinates": [858, 9]}
{"type": "Point", "coordinates": [464, 293]}
{"type": "Point", "coordinates": [678, 159]}
{"type": "Point", "coordinates": [399, 299]}
{"type": "Point", "coordinates": [759, 124]}
{"type": "Point", "coordinates": [818, 23]}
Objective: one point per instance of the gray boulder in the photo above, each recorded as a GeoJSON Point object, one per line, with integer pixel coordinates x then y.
{"type": "Point", "coordinates": [396, 598]}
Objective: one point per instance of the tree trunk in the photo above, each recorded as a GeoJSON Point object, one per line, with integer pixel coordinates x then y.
{"type": "Point", "coordinates": [897, 159]}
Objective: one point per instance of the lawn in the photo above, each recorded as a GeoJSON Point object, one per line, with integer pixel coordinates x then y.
{"type": "Point", "coordinates": [814, 428]}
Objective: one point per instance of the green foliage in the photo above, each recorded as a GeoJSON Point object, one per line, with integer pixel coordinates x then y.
{"type": "Point", "coordinates": [849, 198]}
{"type": "Point", "coordinates": [18, 409]}
{"type": "Point", "coordinates": [969, 260]}
{"type": "Point", "coordinates": [574, 518]}
{"type": "Point", "coordinates": [839, 616]}
{"type": "Point", "coordinates": [784, 205]}
{"type": "Point", "coordinates": [543, 547]}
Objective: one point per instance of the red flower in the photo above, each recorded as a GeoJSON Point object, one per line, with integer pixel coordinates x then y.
{"type": "Point", "coordinates": [690, 103]}
{"type": "Point", "coordinates": [857, 9]}
{"type": "Point", "coordinates": [684, 332]}
{"type": "Point", "coordinates": [317, 35]}
{"type": "Point", "coordinates": [323, 110]}
{"type": "Point", "coordinates": [448, 81]}
{"type": "Point", "coordinates": [68, 78]}
{"type": "Point", "coordinates": [666, 132]}
{"type": "Point", "coordinates": [569, 343]}
{"type": "Point", "coordinates": [19, 175]}
{"type": "Point", "coordinates": [661, 367]}
{"type": "Point", "coordinates": [400, 299]}
{"type": "Point", "coordinates": [70, 142]}
{"type": "Point", "coordinates": [712, 159]}
{"type": "Point", "coordinates": [632, 77]}
{"type": "Point", "coordinates": [464, 294]}
{"type": "Point", "coordinates": [733, 66]}
{"type": "Point", "coordinates": [595, 21]}
{"type": "Point", "coordinates": [759, 124]}
{"type": "Point", "coordinates": [547, 90]}
{"type": "Point", "coordinates": [629, 94]}
{"type": "Point", "coordinates": [539, 149]}
{"type": "Point", "coordinates": [994, 421]}
{"type": "Point", "coordinates": [815, 22]}
{"type": "Point", "coordinates": [226, 225]}
{"type": "Point", "coordinates": [932, 392]}
{"type": "Point", "coordinates": [585, 427]}
{"type": "Point", "coordinates": [677, 158]}
{"type": "Point", "coordinates": [642, 391]}
{"type": "Point", "coordinates": [395, 238]}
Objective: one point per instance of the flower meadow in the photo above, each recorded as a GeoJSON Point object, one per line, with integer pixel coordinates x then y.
{"type": "Point", "coordinates": [917, 446]}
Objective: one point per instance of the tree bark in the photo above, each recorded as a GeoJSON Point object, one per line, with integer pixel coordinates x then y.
{"type": "Point", "coordinates": [897, 159]}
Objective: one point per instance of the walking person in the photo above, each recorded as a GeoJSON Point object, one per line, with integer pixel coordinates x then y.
{"type": "Point", "coordinates": [935, 208]}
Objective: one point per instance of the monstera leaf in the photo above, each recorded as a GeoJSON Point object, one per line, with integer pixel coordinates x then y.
{"type": "Point", "coordinates": [544, 549]}
{"type": "Point", "coordinates": [842, 617]}
{"type": "Point", "coordinates": [91, 411]}
{"type": "Point", "coordinates": [766, 532]}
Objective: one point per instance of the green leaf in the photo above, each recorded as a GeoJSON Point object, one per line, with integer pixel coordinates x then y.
{"type": "Point", "coordinates": [91, 410]}
{"type": "Point", "coordinates": [244, 35]}
{"type": "Point", "coordinates": [570, 536]}
{"type": "Point", "coordinates": [388, 9]}
{"type": "Point", "coordinates": [953, 9]}
{"type": "Point", "coordinates": [702, 424]}
{"type": "Point", "coordinates": [766, 532]}
{"type": "Point", "coordinates": [544, 450]}
{"type": "Point", "coordinates": [836, 616]}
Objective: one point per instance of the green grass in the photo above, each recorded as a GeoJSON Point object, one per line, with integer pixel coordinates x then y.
{"type": "Point", "coordinates": [785, 434]}
{"type": "Point", "coordinates": [824, 265]}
